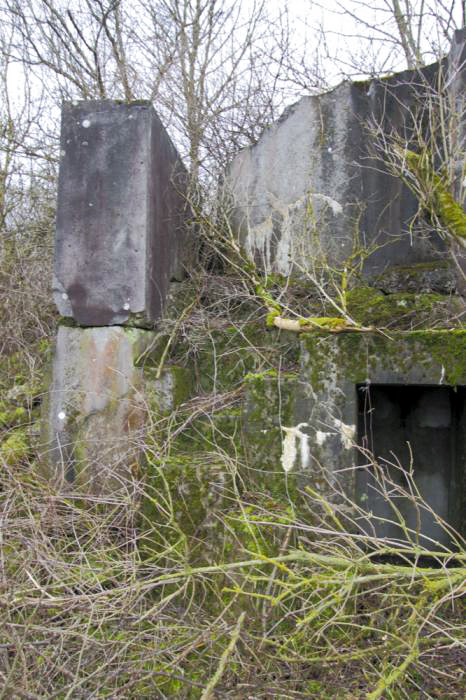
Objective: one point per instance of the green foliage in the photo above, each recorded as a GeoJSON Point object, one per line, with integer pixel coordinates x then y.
{"type": "Point", "coordinates": [15, 447]}
{"type": "Point", "coordinates": [143, 597]}
{"type": "Point", "coordinates": [325, 323]}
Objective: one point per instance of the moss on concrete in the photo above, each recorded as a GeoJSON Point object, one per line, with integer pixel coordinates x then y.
{"type": "Point", "coordinates": [404, 353]}
{"type": "Point", "coordinates": [270, 403]}
{"type": "Point", "coordinates": [165, 393]}
{"type": "Point", "coordinates": [219, 459]}
{"type": "Point", "coordinates": [177, 487]}
{"type": "Point", "coordinates": [227, 355]}
{"type": "Point", "coordinates": [421, 278]}
{"type": "Point", "coordinates": [401, 310]}
{"type": "Point", "coordinates": [235, 453]}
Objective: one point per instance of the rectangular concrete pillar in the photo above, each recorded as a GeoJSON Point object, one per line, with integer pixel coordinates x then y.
{"type": "Point", "coordinates": [121, 214]}
{"type": "Point", "coordinates": [121, 223]}
{"type": "Point", "coordinates": [94, 415]}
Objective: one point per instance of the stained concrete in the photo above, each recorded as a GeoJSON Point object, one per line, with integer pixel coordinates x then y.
{"type": "Point", "coordinates": [361, 400]}
{"type": "Point", "coordinates": [455, 81]}
{"type": "Point", "coordinates": [94, 415]}
{"type": "Point", "coordinates": [121, 214]}
{"type": "Point", "coordinates": [413, 418]}
{"type": "Point", "coordinates": [316, 186]}
{"type": "Point", "coordinates": [456, 87]}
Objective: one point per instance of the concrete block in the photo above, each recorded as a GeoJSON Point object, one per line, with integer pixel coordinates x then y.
{"type": "Point", "coordinates": [93, 418]}
{"type": "Point", "coordinates": [121, 214]}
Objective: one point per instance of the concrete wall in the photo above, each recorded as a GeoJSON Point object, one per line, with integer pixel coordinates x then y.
{"type": "Point", "coordinates": [316, 186]}
{"type": "Point", "coordinates": [94, 416]}
{"type": "Point", "coordinates": [456, 81]}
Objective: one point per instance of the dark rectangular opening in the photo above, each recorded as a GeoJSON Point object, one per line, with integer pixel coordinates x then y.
{"type": "Point", "coordinates": [418, 429]}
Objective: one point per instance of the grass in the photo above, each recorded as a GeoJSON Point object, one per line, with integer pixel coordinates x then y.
{"type": "Point", "coordinates": [87, 609]}
{"type": "Point", "coordinates": [104, 598]}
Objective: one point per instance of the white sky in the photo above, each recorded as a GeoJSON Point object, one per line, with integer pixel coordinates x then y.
{"type": "Point", "coordinates": [328, 45]}
{"type": "Point", "coordinates": [363, 32]}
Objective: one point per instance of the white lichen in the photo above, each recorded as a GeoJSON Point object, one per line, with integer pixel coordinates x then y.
{"type": "Point", "coordinates": [442, 375]}
{"type": "Point", "coordinates": [290, 450]}
{"type": "Point", "coordinates": [321, 437]}
{"type": "Point", "coordinates": [347, 433]}
{"type": "Point", "coordinates": [292, 218]}
{"type": "Point", "coordinates": [304, 450]}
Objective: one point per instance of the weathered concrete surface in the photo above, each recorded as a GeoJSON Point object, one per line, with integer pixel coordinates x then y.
{"type": "Point", "coordinates": [165, 393]}
{"type": "Point", "coordinates": [314, 188]}
{"type": "Point", "coordinates": [456, 88]}
{"type": "Point", "coordinates": [336, 369]}
{"type": "Point", "coordinates": [309, 433]}
{"type": "Point", "coordinates": [93, 418]}
{"type": "Point", "coordinates": [120, 215]}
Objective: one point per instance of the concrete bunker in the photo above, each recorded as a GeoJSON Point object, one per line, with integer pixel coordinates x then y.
{"type": "Point", "coordinates": [415, 432]}
{"type": "Point", "coordinates": [408, 319]}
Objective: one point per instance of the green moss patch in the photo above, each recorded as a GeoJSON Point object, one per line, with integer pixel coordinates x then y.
{"type": "Point", "coordinates": [226, 356]}
{"type": "Point", "coordinates": [15, 447]}
{"type": "Point", "coordinates": [437, 353]}
{"type": "Point", "coordinates": [22, 384]}
{"type": "Point", "coordinates": [402, 310]}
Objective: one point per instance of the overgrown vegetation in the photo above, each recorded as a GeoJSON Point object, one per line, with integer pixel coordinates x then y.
{"type": "Point", "coordinates": [214, 572]}
{"type": "Point", "coordinates": [206, 578]}
{"type": "Point", "coordinates": [90, 609]}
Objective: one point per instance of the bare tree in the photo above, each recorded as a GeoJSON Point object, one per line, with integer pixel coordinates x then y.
{"type": "Point", "coordinates": [204, 63]}
{"type": "Point", "coordinates": [359, 38]}
{"type": "Point", "coordinates": [418, 31]}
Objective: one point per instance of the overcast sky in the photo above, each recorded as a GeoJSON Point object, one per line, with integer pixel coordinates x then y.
{"type": "Point", "coordinates": [360, 36]}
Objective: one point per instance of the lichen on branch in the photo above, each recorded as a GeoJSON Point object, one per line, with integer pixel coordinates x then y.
{"type": "Point", "coordinates": [317, 323]}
